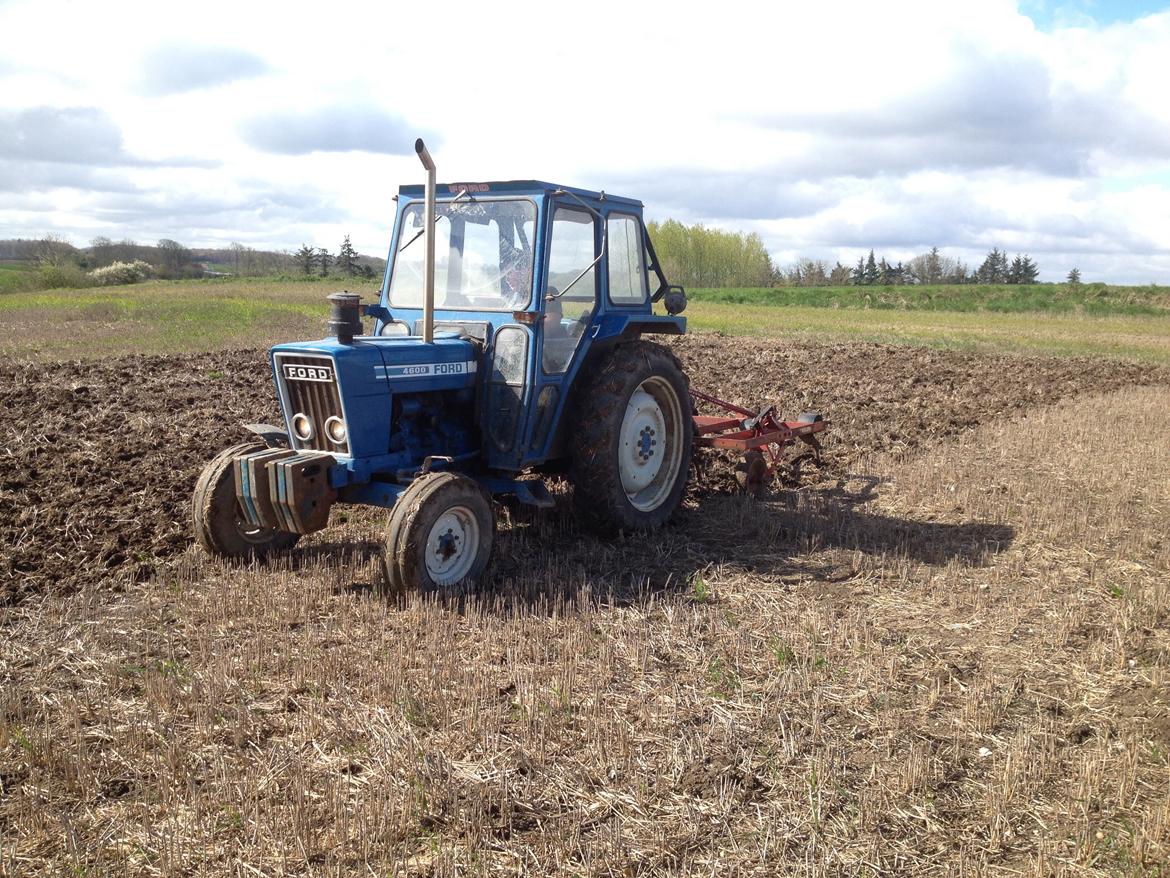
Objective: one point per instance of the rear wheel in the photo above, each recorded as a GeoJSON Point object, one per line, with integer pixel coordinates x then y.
{"type": "Point", "coordinates": [220, 525]}
{"type": "Point", "coordinates": [632, 437]}
{"type": "Point", "coordinates": [440, 535]}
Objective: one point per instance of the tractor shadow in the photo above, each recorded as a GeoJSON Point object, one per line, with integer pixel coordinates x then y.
{"type": "Point", "coordinates": [543, 560]}
{"type": "Point", "coordinates": [786, 534]}
{"type": "Point", "coordinates": [310, 555]}
{"type": "Point", "coordinates": [340, 555]}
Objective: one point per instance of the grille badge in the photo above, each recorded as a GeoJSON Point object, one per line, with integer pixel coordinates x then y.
{"type": "Point", "coordinates": [299, 372]}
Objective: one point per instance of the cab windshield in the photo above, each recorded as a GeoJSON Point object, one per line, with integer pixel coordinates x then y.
{"type": "Point", "coordinates": [483, 255]}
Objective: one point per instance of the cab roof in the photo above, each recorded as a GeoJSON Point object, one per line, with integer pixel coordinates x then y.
{"type": "Point", "coordinates": [513, 187]}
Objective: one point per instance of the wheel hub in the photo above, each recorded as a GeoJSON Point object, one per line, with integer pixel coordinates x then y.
{"type": "Point", "coordinates": [642, 424]}
{"type": "Point", "coordinates": [646, 443]}
{"type": "Point", "coordinates": [650, 444]}
{"type": "Point", "coordinates": [452, 545]}
{"type": "Point", "coordinates": [448, 546]}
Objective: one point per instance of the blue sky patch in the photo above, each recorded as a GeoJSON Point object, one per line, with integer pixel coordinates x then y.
{"type": "Point", "coordinates": [1052, 14]}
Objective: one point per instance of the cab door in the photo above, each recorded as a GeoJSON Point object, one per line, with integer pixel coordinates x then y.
{"type": "Point", "coordinates": [569, 302]}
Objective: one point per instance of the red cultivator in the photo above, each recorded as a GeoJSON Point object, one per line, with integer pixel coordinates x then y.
{"type": "Point", "coordinates": [753, 433]}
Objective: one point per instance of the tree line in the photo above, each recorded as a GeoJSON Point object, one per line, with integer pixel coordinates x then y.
{"type": "Point", "coordinates": [55, 262]}
{"type": "Point", "coordinates": [935, 268]}
{"type": "Point", "coordinates": [694, 256]}
{"type": "Point", "coordinates": [698, 256]}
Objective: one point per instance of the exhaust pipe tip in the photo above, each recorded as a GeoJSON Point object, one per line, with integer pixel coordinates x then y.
{"type": "Point", "coordinates": [424, 156]}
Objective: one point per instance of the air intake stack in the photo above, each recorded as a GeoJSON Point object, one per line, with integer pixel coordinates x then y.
{"type": "Point", "coordinates": [345, 320]}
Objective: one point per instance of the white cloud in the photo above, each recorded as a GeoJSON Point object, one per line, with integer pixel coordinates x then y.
{"type": "Point", "coordinates": [829, 128]}
{"type": "Point", "coordinates": [74, 135]}
{"type": "Point", "coordinates": [336, 128]}
{"type": "Point", "coordinates": [172, 69]}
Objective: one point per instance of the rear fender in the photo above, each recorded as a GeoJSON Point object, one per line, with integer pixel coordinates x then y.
{"type": "Point", "coordinates": [625, 326]}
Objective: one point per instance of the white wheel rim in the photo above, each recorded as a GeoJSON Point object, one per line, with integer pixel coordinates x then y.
{"type": "Point", "coordinates": [452, 545]}
{"type": "Point", "coordinates": [250, 532]}
{"type": "Point", "coordinates": [650, 444]}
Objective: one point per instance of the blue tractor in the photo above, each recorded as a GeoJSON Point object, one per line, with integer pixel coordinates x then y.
{"type": "Point", "coordinates": [508, 344]}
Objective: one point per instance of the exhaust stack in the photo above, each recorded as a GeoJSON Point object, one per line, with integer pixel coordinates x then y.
{"type": "Point", "coordinates": [429, 253]}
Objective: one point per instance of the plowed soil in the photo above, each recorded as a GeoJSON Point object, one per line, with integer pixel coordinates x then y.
{"type": "Point", "coordinates": [98, 459]}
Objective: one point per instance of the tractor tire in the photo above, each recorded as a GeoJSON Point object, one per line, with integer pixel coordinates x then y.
{"type": "Point", "coordinates": [440, 534]}
{"type": "Point", "coordinates": [631, 440]}
{"type": "Point", "coordinates": [220, 526]}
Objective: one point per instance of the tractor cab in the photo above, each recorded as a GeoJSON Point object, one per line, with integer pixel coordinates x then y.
{"type": "Point", "coordinates": [541, 278]}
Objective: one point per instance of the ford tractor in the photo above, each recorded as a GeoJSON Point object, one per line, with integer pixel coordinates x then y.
{"type": "Point", "coordinates": [508, 344]}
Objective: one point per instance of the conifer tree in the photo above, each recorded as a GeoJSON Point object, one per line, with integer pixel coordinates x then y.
{"type": "Point", "coordinates": [871, 270]}
{"type": "Point", "coordinates": [306, 258]}
{"type": "Point", "coordinates": [347, 258]}
{"type": "Point", "coordinates": [933, 267]}
{"type": "Point", "coordinates": [994, 269]}
{"type": "Point", "coordinates": [1029, 271]}
{"type": "Point", "coordinates": [1016, 271]}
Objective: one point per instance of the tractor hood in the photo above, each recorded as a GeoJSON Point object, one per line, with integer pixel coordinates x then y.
{"type": "Point", "coordinates": [408, 362]}
{"type": "Point", "coordinates": [356, 381]}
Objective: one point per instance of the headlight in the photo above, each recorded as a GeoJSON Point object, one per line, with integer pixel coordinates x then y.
{"type": "Point", "coordinates": [393, 327]}
{"type": "Point", "coordinates": [336, 431]}
{"type": "Point", "coordinates": [302, 426]}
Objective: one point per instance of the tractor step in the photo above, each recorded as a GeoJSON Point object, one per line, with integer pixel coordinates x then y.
{"type": "Point", "coordinates": [534, 493]}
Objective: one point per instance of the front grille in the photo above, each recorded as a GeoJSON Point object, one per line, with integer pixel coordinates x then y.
{"type": "Point", "coordinates": [310, 387]}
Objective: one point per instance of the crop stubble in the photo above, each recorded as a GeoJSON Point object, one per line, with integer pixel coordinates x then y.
{"type": "Point", "coordinates": [960, 669]}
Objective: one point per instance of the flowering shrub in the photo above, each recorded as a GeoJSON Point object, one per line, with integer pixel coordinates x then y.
{"type": "Point", "coordinates": [122, 273]}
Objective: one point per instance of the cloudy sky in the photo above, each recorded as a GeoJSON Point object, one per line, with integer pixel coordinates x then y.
{"type": "Point", "coordinates": [830, 128]}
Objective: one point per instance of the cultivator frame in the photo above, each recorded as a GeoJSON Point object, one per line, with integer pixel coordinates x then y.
{"type": "Point", "coordinates": [754, 433]}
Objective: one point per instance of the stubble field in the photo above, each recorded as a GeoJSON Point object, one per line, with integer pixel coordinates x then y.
{"type": "Point", "coordinates": [945, 652]}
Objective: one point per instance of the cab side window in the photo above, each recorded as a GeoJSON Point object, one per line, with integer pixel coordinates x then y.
{"type": "Point", "coordinates": [567, 313]}
{"type": "Point", "coordinates": [627, 268]}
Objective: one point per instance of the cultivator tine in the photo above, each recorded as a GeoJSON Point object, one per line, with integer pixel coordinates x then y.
{"type": "Point", "coordinates": [811, 440]}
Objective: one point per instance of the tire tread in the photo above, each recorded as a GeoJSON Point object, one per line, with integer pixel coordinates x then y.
{"type": "Point", "coordinates": [598, 496]}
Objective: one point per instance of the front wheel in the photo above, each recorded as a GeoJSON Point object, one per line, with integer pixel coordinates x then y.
{"type": "Point", "coordinates": [632, 436]}
{"type": "Point", "coordinates": [220, 525]}
{"type": "Point", "coordinates": [440, 535]}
